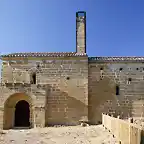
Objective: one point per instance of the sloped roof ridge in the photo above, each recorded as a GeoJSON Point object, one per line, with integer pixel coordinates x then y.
{"type": "Point", "coordinates": [47, 54]}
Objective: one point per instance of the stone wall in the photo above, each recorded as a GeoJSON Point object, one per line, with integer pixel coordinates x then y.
{"type": "Point", "coordinates": [101, 92]}
{"type": "Point", "coordinates": [61, 90]}
{"type": "Point", "coordinates": [103, 79]}
{"type": "Point", "coordinates": [71, 88]}
{"type": "Point", "coordinates": [67, 93]}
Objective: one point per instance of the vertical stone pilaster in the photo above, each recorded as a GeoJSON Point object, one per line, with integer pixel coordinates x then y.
{"type": "Point", "coordinates": [8, 115]}
{"type": "Point", "coordinates": [1, 117]}
{"type": "Point", "coordinates": [32, 117]}
{"type": "Point", "coordinates": [39, 118]}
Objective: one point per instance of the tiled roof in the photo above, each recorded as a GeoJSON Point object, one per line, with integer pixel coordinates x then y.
{"type": "Point", "coordinates": [117, 59]}
{"type": "Point", "coordinates": [44, 54]}
{"type": "Point", "coordinates": [69, 54]}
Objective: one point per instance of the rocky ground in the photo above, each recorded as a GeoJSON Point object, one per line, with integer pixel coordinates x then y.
{"type": "Point", "coordinates": [58, 135]}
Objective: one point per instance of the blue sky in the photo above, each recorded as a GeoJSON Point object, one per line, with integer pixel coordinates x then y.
{"type": "Point", "coordinates": [114, 27]}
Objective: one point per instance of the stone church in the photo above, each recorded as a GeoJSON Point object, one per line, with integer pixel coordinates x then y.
{"type": "Point", "coordinates": [64, 88]}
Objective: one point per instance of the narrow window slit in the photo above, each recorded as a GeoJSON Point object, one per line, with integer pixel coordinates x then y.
{"type": "Point", "coordinates": [117, 90]}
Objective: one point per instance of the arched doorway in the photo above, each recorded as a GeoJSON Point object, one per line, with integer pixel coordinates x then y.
{"type": "Point", "coordinates": [22, 114]}
{"type": "Point", "coordinates": [18, 111]}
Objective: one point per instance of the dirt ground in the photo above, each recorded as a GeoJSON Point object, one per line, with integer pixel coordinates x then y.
{"type": "Point", "coordinates": [58, 135]}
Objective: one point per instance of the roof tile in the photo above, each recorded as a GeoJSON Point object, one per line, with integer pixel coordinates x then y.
{"type": "Point", "coordinates": [44, 54]}
{"type": "Point", "coordinates": [116, 59]}
{"type": "Point", "coordinates": [69, 54]}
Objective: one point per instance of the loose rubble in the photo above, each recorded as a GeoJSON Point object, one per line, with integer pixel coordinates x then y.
{"type": "Point", "coordinates": [58, 135]}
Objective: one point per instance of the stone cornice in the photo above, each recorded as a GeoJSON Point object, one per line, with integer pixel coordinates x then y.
{"type": "Point", "coordinates": [116, 59]}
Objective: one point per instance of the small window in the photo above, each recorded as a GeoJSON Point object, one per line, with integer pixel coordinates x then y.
{"type": "Point", "coordinates": [68, 78]}
{"type": "Point", "coordinates": [101, 68]}
{"type": "Point", "coordinates": [137, 68]}
{"type": "Point", "coordinates": [129, 79]}
{"type": "Point", "coordinates": [121, 69]}
{"type": "Point", "coordinates": [33, 78]}
{"type": "Point", "coordinates": [117, 90]}
{"type": "Point", "coordinates": [38, 66]}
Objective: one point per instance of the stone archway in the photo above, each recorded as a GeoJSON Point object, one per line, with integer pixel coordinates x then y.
{"type": "Point", "coordinates": [16, 103]}
{"type": "Point", "coordinates": [22, 114]}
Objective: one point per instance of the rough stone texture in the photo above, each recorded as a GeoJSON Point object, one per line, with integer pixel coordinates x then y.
{"type": "Point", "coordinates": [89, 91]}
{"type": "Point", "coordinates": [81, 35]}
{"type": "Point", "coordinates": [102, 89]}
{"type": "Point", "coordinates": [55, 98]}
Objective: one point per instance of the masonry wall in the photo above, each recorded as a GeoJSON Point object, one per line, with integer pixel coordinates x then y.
{"type": "Point", "coordinates": [102, 89]}
{"type": "Point", "coordinates": [67, 92]}
{"type": "Point", "coordinates": [61, 93]}
{"type": "Point", "coordinates": [70, 89]}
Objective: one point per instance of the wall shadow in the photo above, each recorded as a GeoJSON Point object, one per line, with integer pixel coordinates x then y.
{"type": "Point", "coordinates": [62, 109]}
{"type": "Point", "coordinates": [102, 97]}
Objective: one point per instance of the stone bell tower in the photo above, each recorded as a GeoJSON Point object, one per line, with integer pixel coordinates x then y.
{"type": "Point", "coordinates": [81, 32]}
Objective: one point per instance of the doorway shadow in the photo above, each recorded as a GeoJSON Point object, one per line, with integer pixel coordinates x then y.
{"type": "Point", "coordinates": [22, 114]}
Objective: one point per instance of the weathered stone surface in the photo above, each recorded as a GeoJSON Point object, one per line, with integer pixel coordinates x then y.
{"type": "Point", "coordinates": [59, 96]}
